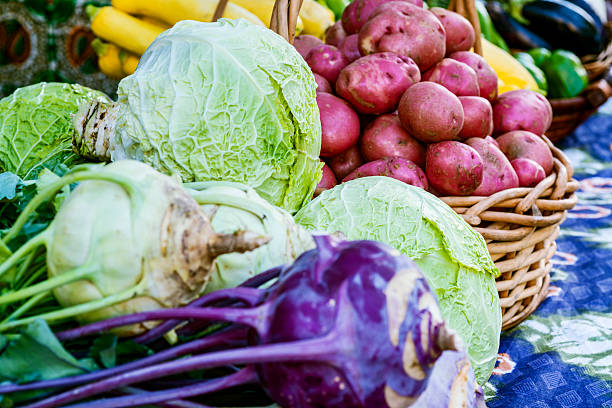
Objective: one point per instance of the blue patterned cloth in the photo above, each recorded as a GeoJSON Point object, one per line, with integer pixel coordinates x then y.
{"type": "Point", "coordinates": [561, 357]}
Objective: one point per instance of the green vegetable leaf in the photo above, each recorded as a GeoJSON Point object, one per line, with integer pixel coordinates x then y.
{"type": "Point", "coordinates": [37, 355]}
{"type": "Point", "coordinates": [9, 185]}
{"type": "Point", "coordinates": [108, 351]}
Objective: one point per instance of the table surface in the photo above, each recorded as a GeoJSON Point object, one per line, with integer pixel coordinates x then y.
{"type": "Point", "coordinates": [561, 356]}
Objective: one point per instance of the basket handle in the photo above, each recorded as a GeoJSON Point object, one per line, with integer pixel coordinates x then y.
{"type": "Point", "coordinates": [285, 15]}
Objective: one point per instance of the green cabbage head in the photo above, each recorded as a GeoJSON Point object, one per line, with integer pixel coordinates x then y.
{"type": "Point", "coordinates": [36, 126]}
{"type": "Point", "coordinates": [233, 207]}
{"type": "Point", "coordinates": [453, 257]}
{"type": "Point", "coordinates": [228, 101]}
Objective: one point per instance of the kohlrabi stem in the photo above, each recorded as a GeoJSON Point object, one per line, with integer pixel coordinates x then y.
{"type": "Point", "coordinates": [250, 296]}
{"type": "Point", "coordinates": [205, 198]}
{"type": "Point", "coordinates": [165, 404]}
{"type": "Point", "coordinates": [223, 338]}
{"type": "Point", "coordinates": [75, 310]}
{"type": "Point", "coordinates": [39, 271]}
{"type": "Point", "coordinates": [25, 249]}
{"type": "Point", "coordinates": [322, 349]}
{"type": "Point", "coordinates": [25, 265]}
{"type": "Point", "coordinates": [26, 306]}
{"type": "Point", "coordinates": [71, 276]}
{"type": "Point", "coordinates": [47, 193]}
{"type": "Point", "coordinates": [251, 317]}
{"type": "Point", "coordinates": [245, 376]}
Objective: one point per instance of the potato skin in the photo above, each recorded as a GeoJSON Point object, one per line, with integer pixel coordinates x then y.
{"type": "Point", "coordinates": [328, 180]}
{"type": "Point", "coordinates": [459, 32]}
{"type": "Point", "coordinates": [497, 173]}
{"type": "Point", "coordinates": [327, 61]}
{"type": "Point", "coordinates": [386, 137]}
{"type": "Point", "coordinates": [525, 144]}
{"type": "Point", "coordinates": [305, 43]}
{"type": "Point", "coordinates": [350, 47]}
{"type": "Point", "coordinates": [431, 113]}
{"type": "Point", "coordinates": [335, 34]}
{"type": "Point", "coordinates": [395, 167]}
{"type": "Point", "coordinates": [375, 83]}
{"type": "Point", "coordinates": [357, 13]}
{"type": "Point", "coordinates": [406, 30]}
{"type": "Point", "coordinates": [322, 84]}
{"type": "Point", "coordinates": [453, 168]}
{"type": "Point", "coordinates": [487, 77]}
{"type": "Point", "coordinates": [339, 124]}
{"type": "Point", "coordinates": [477, 117]}
{"type": "Point", "coordinates": [344, 163]}
{"type": "Point", "coordinates": [522, 109]}
{"type": "Point", "coordinates": [457, 77]}
{"type": "Point", "coordinates": [528, 171]}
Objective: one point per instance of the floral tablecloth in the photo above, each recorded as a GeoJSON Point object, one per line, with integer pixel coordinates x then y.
{"type": "Point", "coordinates": [561, 356]}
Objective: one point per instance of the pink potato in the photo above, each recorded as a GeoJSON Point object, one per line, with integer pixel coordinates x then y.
{"type": "Point", "coordinates": [529, 172]}
{"type": "Point", "coordinates": [339, 124]}
{"type": "Point", "coordinates": [430, 112]}
{"type": "Point", "coordinates": [335, 34]}
{"type": "Point", "coordinates": [497, 172]}
{"type": "Point", "coordinates": [522, 109]}
{"type": "Point", "coordinates": [492, 140]}
{"type": "Point", "coordinates": [407, 30]}
{"type": "Point", "coordinates": [522, 143]}
{"type": "Point", "coordinates": [459, 31]}
{"type": "Point", "coordinates": [487, 77]}
{"type": "Point", "coordinates": [305, 43]}
{"type": "Point", "coordinates": [327, 61]}
{"type": "Point", "coordinates": [350, 47]}
{"type": "Point", "coordinates": [394, 167]}
{"type": "Point", "coordinates": [344, 163]}
{"type": "Point", "coordinates": [386, 137]}
{"type": "Point", "coordinates": [357, 13]}
{"type": "Point", "coordinates": [477, 117]}
{"type": "Point", "coordinates": [322, 84]}
{"type": "Point", "coordinates": [453, 168]}
{"type": "Point", "coordinates": [375, 83]}
{"type": "Point", "coordinates": [327, 181]}
{"type": "Point", "coordinates": [455, 76]}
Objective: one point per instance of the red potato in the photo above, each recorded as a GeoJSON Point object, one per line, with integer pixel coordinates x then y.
{"type": "Point", "coordinates": [375, 83]}
{"type": "Point", "coordinates": [521, 109]}
{"type": "Point", "coordinates": [492, 140]}
{"type": "Point", "coordinates": [497, 172]}
{"type": "Point", "coordinates": [327, 61]}
{"type": "Point", "coordinates": [335, 34]}
{"type": "Point", "coordinates": [453, 168]}
{"type": "Point", "coordinates": [407, 30]}
{"type": "Point", "coordinates": [394, 167]}
{"type": "Point", "coordinates": [357, 13]}
{"type": "Point", "coordinates": [529, 172]}
{"type": "Point", "coordinates": [344, 163]}
{"type": "Point", "coordinates": [327, 181]}
{"type": "Point", "coordinates": [305, 43]}
{"type": "Point", "coordinates": [487, 77]}
{"type": "Point", "coordinates": [521, 143]}
{"type": "Point", "coordinates": [455, 76]}
{"type": "Point", "coordinates": [339, 124]}
{"type": "Point", "coordinates": [322, 84]}
{"type": "Point", "coordinates": [430, 112]}
{"type": "Point", "coordinates": [459, 31]}
{"type": "Point", "coordinates": [350, 47]}
{"type": "Point", "coordinates": [477, 117]}
{"type": "Point", "coordinates": [385, 137]}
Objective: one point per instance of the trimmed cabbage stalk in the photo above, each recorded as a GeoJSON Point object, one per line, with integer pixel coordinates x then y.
{"type": "Point", "coordinates": [453, 257]}
{"type": "Point", "coordinates": [127, 239]}
{"type": "Point", "coordinates": [36, 126]}
{"type": "Point", "coordinates": [228, 101]}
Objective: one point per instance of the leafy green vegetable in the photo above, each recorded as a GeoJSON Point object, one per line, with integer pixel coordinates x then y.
{"type": "Point", "coordinates": [108, 351]}
{"type": "Point", "coordinates": [36, 126]}
{"type": "Point", "coordinates": [453, 257]}
{"type": "Point", "coordinates": [227, 101]}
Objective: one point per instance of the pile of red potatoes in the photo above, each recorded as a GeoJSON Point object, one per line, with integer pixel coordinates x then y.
{"type": "Point", "coordinates": [401, 95]}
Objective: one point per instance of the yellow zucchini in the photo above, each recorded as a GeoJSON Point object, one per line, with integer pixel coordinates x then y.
{"type": "Point", "coordinates": [129, 62]}
{"type": "Point", "coordinates": [121, 29]}
{"type": "Point", "coordinates": [263, 10]}
{"type": "Point", "coordinates": [316, 18]}
{"type": "Point", "coordinates": [155, 21]}
{"type": "Point", "coordinates": [511, 74]}
{"type": "Point", "coordinates": [108, 59]}
{"type": "Point", "coordinates": [173, 11]}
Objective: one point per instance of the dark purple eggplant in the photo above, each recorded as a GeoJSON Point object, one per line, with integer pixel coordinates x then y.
{"type": "Point", "coordinates": [516, 35]}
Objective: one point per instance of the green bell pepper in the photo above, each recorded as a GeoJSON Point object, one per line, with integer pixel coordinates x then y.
{"type": "Point", "coordinates": [539, 55]}
{"type": "Point", "coordinates": [538, 75]}
{"type": "Point", "coordinates": [337, 6]}
{"type": "Point", "coordinates": [565, 73]}
{"type": "Point", "coordinates": [487, 28]}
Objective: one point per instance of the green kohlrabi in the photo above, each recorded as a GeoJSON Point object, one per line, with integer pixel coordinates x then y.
{"type": "Point", "coordinates": [453, 257]}
{"type": "Point", "coordinates": [227, 101]}
{"type": "Point", "coordinates": [232, 207]}
{"type": "Point", "coordinates": [126, 239]}
{"type": "Point", "coordinates": [36, 126]}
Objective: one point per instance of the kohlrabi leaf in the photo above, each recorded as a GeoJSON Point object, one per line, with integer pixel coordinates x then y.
{"type": "Point", "coordinates": [36, 126]}
{"type": "Point", "coordinates": [108, 351]}
{"type": "Point", "coordinates": [453, 257]}
{"type": "Point", "coordinates": [9, 185]}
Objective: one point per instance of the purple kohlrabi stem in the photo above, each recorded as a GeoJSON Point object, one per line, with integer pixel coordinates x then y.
{"type": "Point", "coordinates": [248, 295]}
{"type": "Point", "coordinates": [327, 348]}
{"type": "Point", "coordinates": [226, 337]}
{"type": "Point", "coordinates": [250, 317]}
{"type": "Point", "coordinates": [262, 278]}
{"type": "Point", "coordinates": [244, 376]}
{"type": "Point", "coordinates": [165, 404]}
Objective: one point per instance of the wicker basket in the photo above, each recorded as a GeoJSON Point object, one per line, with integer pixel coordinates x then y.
{"type": "Point", "coordinates": [519, 225]}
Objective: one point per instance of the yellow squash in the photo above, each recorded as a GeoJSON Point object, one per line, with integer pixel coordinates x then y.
{"type": "Point", "coordinates": [173, 11]}
{"type": "Point", "coordinates": [511, 74]}
{"type": "Point", "coordinates": [108, 59]}
{"type": "Point", "coordinates": [316, 18]}
{"type": "Point", "coordinates": [263, 10]}
{"type": "Point", "coordinates": [129, 62]}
